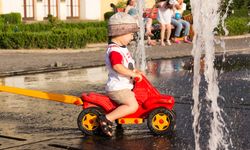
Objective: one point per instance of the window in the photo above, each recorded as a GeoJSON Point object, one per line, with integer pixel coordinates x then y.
{"type": "Point", "coordinates": [28, 7]}
{"type": "Point", "coordinates": [73, 8]}
{"type": "Point", "coordinates": [51, 7]}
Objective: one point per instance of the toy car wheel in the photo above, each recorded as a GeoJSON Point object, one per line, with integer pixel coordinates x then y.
{"type": "Point", "coordinates": [174, 118]}
{"type": "Point", "coordinates": [87, 120]}
{"type": "Point", "coordinates": [161, 121]}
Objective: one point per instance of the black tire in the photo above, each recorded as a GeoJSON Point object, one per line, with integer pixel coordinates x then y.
{"type": "Point", "coordinates": [90, 116]}
{"type": "Point", "coordinates": [174, 119]}
{"type": "Point", "coordinates": [161, 121]}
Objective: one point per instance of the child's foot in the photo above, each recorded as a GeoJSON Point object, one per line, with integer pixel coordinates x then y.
{"type": "Point", "coordinates": [106, 125]}
{"type": "Point", "coordinates": [168, 42]}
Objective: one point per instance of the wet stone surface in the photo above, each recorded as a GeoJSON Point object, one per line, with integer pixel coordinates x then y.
{"type": "Point", "coordinates": [30, 123]}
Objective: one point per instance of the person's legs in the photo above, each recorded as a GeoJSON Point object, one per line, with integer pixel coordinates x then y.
{"type": "Point", "coordinates": [163, 28]}
{"type": "Point", "coordinates": [149, 33]}
{"type": "Point", "coordinates": [149, 26]}
{"type": "Point", "coordinates": [178, 27]}
{"type": "Point", "coordinates": [168, 27]}
{"type": "Point", "coordinates": [186, 25]}
{"type": "Point", "coordinates": [128, 105]}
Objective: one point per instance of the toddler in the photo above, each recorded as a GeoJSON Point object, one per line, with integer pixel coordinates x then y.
{"type": "Point", "coordinates": [120, 65]}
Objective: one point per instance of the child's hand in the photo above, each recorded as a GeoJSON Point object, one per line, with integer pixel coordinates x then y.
{"type": "Point", "coordinates": [138, 76]}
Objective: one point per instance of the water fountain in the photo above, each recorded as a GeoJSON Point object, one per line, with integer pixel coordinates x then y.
{"type": "Point", "coordinates": [140, 49]}
{"type": "Point", "coordinates": [204, 12]}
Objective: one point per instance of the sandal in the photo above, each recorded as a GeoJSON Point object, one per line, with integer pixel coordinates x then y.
{"type": "Point", "coordinates": [106, 125]}
{"type": "Point", "coordinates": [187, 41]}
{"type": "Point", "coordinates": [177, 41]}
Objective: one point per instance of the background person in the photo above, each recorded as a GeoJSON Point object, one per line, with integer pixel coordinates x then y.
{"type": "Point", "coordinates": [179, 23]}
{"type": "Point", "coordinates": [165, 12]}
{"type": "Point", "coordinates": [149, 21]}
{"type": "Point", "coordinates": [131, 8]}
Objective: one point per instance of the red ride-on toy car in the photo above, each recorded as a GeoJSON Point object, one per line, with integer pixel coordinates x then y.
{"type": "Point", "coordinates": [153, 106]}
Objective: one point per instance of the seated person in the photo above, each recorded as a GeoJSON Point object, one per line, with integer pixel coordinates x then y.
{"type": "Point", "coordinates": [165, 11]}
{"type": "Point", "coordinates": [149, 21]}
{"type": "Point", "coordinates": [180, 23]}
{"type": "Point", "coordinates": [131, 8]}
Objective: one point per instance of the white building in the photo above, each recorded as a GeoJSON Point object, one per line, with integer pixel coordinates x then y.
{"type": "Point", "coordinates": [62, 9]}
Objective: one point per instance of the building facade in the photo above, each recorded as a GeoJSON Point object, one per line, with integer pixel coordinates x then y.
{"type": "Point", "coordinates": [62, 9]}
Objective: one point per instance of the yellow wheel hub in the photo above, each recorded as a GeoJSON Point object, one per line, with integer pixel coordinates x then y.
{"type": "Point", "coordinates": [161, 121]}
{"type": "Point", "coordinates": [89, 121]}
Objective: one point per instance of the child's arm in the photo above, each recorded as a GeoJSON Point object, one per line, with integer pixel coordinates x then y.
{"type": "Point", "coordinates": [127, 72]}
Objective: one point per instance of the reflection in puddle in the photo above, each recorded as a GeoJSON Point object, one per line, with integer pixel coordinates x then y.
{"type": "Point", "coordinates": [161, 67]}
{"type": "Point", "coordinates": [98, 75]}
{"type": "Point", "coordinates": [89, 75]}
{"type": "Point", "coordinates": [155, 69]}
{"type": "Point", "coordinates": [230, 63]}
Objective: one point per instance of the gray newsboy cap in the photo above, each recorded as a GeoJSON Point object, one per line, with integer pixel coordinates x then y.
{"type": "Point", "coordinates": [122, 23]}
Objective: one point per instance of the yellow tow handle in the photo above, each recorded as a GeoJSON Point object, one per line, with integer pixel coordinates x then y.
{"type": "Point", "coordinates": [69, 99]}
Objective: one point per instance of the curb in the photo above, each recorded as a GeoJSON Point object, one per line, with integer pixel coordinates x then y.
{"type": "Point", "coordinates": [88, 48]}
{"type": "Point", "coordinates": [235, 37]}
{"type": "Point", "coordinates": [45, 70]}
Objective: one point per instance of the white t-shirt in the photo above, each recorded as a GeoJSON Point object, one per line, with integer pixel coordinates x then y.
{"type": "Point", "coordinates": [117, 81]}
{"type": "Point", "coordinates": [164, 15]}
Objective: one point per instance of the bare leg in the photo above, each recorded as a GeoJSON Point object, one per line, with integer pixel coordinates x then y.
{"type": "Point", "coordinates": [151, 42]}
{"type": "Point", "coordinates": [163, 28]}
{"type": "Point", "coordinates": [168, 26]}
{"type": "Point", "coordinates": [130, 106]}
{"type": "Point", "coordinates": [148, 27]}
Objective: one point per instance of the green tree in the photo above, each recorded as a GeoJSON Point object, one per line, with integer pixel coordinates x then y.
{"type": "Point", "coordinates": [238, 4]}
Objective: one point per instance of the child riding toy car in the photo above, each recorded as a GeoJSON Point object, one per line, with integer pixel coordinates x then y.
{"type": "Point", "coordinates": [154, 107]}
{"type": "Point", "coordinates": [157, 109]}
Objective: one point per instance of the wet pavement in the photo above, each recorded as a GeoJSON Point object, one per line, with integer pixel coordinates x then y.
{"type": "Point", "coordinates": [20, 62]}
{"type": "Point", "coordinates": [29, 123]}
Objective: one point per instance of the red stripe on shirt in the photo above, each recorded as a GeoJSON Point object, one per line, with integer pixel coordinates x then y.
{"type": "Point", "coordinates": [115, 58]}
